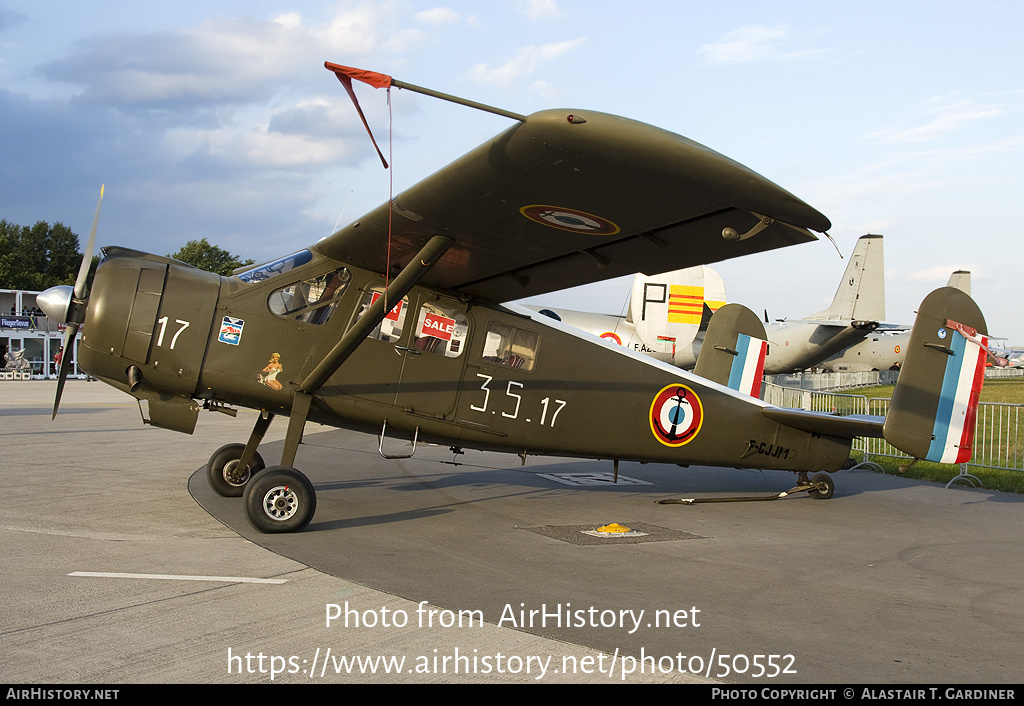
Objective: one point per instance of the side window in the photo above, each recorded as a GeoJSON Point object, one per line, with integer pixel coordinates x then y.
{"type": "Point", "coordinates": [391, 327]}
{"type": "Point", "coordinates": [514, 347]}
{"type": "Point", "coordinates": [311, 300]}
{"type": "Point", "coordinates": [441, 330]}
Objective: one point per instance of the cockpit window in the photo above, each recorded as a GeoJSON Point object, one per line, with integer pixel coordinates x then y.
{"type": "Point", "coordinates": [277, 267]}
{"type": "Point", "coordinates": [311, 300]}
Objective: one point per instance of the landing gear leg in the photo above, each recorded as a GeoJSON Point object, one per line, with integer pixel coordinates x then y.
{"type": "Point", "coordinates": [281, 499]}
{"type": "Point", "coordinates": [230, 467]}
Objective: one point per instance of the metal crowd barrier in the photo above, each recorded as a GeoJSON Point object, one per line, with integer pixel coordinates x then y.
{"type": "Point", "coordinates": [998, 435]}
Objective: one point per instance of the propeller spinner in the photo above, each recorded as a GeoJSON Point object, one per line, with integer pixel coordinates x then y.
{"type": "Point", "coordinates": [68, 304]}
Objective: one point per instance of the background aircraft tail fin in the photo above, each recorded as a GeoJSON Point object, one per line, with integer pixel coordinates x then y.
{"type": "Point", "coordinates": [933, 407]}
{"type": "Point", "coordinates": [861, 293]}
{"type": "Point", "coordinates": [734, 350]}
{"type": "Point", "coordinates": [668, 308]}
{"type": "Point", "coordinates": [961, 279]}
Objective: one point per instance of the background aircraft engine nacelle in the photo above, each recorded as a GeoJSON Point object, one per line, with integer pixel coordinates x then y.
{"type": "Point", "coordinates": [154, 314]}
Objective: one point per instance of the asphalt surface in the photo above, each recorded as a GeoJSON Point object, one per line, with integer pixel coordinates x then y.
{"type": "Point", "coordinates": [890, 581]}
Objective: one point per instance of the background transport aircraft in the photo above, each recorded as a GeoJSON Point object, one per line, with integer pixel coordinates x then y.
{"type": "Point", "coordinates": [669, 313]}
{"type": "Point", "coordinates": [666, 318]}
{"type": "Point", "coordinates": [1014, 357]}
{"type": "Point", "coordinates": [856, 310]}
{"type": "Point", "coordinates": [884, 350]}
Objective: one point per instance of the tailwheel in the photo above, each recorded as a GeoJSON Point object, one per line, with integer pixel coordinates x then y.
{"type": "Point", "coordinates": [224, 474]}
{"type": "Point", "coordinates": [279, 499]}
{"type": "Point", "coordinates": [823, 488]}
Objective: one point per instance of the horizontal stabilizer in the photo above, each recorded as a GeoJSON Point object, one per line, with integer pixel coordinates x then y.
{"type": "Point", "coordinates": [848, 427]}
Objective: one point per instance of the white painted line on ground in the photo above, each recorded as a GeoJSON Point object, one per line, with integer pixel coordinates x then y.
{"type": "Point", "coordinates": [174, 577]}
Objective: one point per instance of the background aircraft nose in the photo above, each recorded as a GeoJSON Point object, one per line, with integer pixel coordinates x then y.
{"type": "Point", "coordinates": [54, 302]}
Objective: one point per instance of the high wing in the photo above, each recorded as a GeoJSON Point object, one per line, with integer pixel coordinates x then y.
{"type": "Point", "coordinates": [567, 198]}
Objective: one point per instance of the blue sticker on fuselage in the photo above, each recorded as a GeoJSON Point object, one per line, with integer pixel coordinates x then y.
{"type": "Point", "coordinates": [231, 330]}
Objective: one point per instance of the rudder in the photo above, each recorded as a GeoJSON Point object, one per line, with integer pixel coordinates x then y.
{"type": "Point", "coordinates": [734, 350]}
{"type": "Point", "coordinates": [933, 410]}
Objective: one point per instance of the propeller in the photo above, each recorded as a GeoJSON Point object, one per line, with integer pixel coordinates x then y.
{"type": "Point", "coordinates": [68, 304]}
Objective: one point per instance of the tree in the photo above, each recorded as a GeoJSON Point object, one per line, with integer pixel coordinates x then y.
{"type": "Point", "coordinates": [37, 257]}
{"type": "Point", "coordinates": [199, 253]}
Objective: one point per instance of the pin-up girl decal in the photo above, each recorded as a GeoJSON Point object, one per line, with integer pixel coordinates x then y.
{"type": "Point", "coordinates": [269, 375]}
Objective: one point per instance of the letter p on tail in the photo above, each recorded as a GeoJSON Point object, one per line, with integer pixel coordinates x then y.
{"type": "Point", "coordinates": [934, 406]}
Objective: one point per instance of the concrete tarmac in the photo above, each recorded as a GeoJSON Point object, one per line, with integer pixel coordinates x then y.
{"type": "Point", "coordinates": [890, 581]}
{"type": "Point", "coordinates": [96, 492]}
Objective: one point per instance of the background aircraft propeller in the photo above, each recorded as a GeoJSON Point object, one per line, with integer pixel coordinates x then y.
{"type": "Point", "coordinates": [67, 304]}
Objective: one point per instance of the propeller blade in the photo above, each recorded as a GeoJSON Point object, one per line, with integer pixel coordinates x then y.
{"type": "Point", "coordinates": [83, 271]}
{"type": "Point", "coordinates": [65, 365]}
{"type": "Point", "coordinates": [75, 311]}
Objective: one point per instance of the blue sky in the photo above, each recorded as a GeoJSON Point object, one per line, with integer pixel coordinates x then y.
{"type": "Point", "coordinates": [217, 120]}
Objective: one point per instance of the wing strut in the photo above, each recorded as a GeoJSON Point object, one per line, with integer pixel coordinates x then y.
{"type": "Point", "coordinates": [425, 259]}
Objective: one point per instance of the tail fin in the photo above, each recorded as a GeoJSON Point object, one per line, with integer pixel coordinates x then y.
{"type": "Point", "coordinates": [734, 349]}
{"type": "Point", "coordinates": [666, 309]}
{"type": "Point", "coordinates": [933, 407]}
{"type": "Point", "coordinates": [961, 279]}
{"type": "Point", "coordinates": [861, 293]}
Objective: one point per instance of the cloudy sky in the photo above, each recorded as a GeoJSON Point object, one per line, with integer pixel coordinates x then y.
{"type": "Point", "coordinates": [216, 119]}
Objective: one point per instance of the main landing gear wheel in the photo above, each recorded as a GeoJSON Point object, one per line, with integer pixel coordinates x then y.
{"type": "Point", "coordinates": [224, 474]}
{"type": "Point", "coordinates": [823, 488]}
{"type": "Point", "coordinates": [279, 499]}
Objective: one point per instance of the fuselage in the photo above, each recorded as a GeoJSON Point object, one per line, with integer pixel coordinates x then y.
{"type": "Point", "coordinates": [463, 373]}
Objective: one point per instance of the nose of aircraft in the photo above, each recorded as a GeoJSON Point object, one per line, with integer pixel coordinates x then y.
{"type": "Point", "coordinates": [55, 301]}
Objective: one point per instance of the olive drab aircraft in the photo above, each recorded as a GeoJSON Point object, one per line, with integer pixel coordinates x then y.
{"type": "Point", "coordinates": [427, 346]}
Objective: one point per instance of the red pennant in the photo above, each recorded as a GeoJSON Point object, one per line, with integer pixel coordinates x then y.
{"type": "Point", "coordinates": [345, 74]}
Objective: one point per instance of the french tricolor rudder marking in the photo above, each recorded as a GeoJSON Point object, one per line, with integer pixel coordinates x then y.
{"type": "Point", "coordinates": [748, 365]}
{"type": "Point", "coordinates": [953, 432]}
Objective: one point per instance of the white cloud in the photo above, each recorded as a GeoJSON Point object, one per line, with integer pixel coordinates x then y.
{"type": "Point", "coordinates": [438, 16]}
{"type": "Point", "coordinates": [258, 148]}
{"type": "Point", "coordinates": [525, 62]}
{"type": "Point", "coordinates": [755, 44]}
{"type": "Point", "coordinates": [941, 120]}
{"type": "Point", "coordinates": [542, 10]}
{"type": "Point", "coordinates": [223, 61]}
{"type": "Point", "coordinates": [548, 92]}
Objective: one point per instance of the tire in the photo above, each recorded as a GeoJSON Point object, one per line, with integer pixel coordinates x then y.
{"type": "Point", "coordinates": [828, 486]}
{"type": "Point", "coordinates": [279, 499]}
{"type": "Point", "coordinates": [221, 470]}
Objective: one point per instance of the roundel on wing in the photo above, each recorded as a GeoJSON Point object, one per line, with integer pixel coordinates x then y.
{"type": "Point", "coordinates": [676, 415]}
{"type": "Point", "coordinates": [897, 349]}
{"type": "Point", "coordinates": [612, 336]}
{"type": "Point", "coordinates": [569, 219]}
